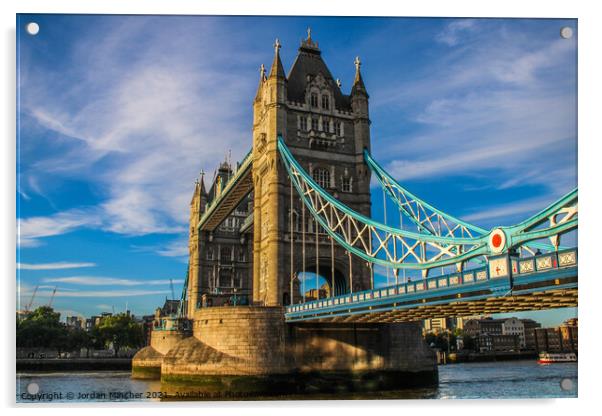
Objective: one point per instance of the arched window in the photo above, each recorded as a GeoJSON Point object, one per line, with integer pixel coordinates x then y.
{"type": "Point", "coordinates": [225, 254]}
{"type": "Point", "coordinates": [325, 102]}
{"type": "Point", "coordinates": [322, 177]}
{"type": "Point", "coordinates": [347, 185]}
{"type": "Point", "coordinates": [314, 99]}
{"type": "Point", "coordinates": [296, 221]}
{"type": "Point", "coordinates": [224, 279]}
{"type": "Point", "coordinates": [326, 124]}
{"type": "Point", "coordinates": [337, 128]}
{"type": "Point", "coordinates": [303, 123]}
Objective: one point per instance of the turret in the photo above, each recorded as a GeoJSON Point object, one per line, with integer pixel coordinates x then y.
{"type": "Point", "coordinates": [277, 79]}
{"type": "Point", "coordinates": [197, 204]}
{"type": "Point", "coordinates": [257, 103]}
{"type": "Point", "coordinates": [359, 104]}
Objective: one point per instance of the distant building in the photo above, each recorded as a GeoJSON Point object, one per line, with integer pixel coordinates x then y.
{"type": "Point", "coordinates": [488, 326]}
{"type": "Point", "coordinates": [505, 334]}
{"type": "Point", "coordinates": [530, 327]}
{"type": "Point", "coordinates": [460, 321]}
{"type": "Point", "coordinates": [498, 342]}
{"type": "Point", "coordinates": [313, 294]}
{"type": "Point", "coordinates": [437, 325]}
{"type": "Point", "coordinates": [569, 334]}
{"type": "Point", "coordinates": [95, 320]}
{"type": "Point", "coordinates": [514, 326]}
{"type": "Point", "coordinates": [563, 338]}
{"type": "Point", "coordinates": [75, 322]}
{"type": "Point", "coordinates": [91, 322]}
{"type": "Point", "coordinates": [170, 307]}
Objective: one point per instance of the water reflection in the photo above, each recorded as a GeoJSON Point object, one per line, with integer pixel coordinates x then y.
{"type": "Point", "coordinates": [510, 379]}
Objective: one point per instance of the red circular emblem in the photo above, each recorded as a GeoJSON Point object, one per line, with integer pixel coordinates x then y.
{"type": "Point", "coordinates": [496, 241]}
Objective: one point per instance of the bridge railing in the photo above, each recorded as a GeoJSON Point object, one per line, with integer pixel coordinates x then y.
{"type": "Point", "coordinates": [519, 267]}
{"type": "Point", "coordinates": [171, 323]}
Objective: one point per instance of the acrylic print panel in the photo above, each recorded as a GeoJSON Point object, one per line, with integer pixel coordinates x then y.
{"type": "Point", "coordinates": [228, 208]}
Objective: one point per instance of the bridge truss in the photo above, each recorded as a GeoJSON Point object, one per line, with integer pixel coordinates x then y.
{"type": "Point", "coordinates": [397, 248]}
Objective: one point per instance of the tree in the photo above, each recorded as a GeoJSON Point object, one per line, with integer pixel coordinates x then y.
{"type": "Point", "coordinates": [121, 331]}
{"type": "Point", "coordinates": [40, 329]}
{"type": "Point", "coordinates": [469, 343]}
{"type": "Point", "coordinates": [81, 339]}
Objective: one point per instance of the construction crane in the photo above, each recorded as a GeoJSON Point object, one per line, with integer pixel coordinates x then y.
{"type": "Point", "coordinates": [33, 295]}
{"type": "Point", "coordinates": [52, 297]}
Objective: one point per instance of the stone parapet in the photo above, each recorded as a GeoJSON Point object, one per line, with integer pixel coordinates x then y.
{"type": "Point", "coordinates": [163, 341]}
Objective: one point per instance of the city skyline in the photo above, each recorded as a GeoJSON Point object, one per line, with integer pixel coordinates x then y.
{"type": "Point", "coordinates": [110, 165]}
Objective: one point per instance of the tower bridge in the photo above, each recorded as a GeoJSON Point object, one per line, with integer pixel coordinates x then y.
{"type": "Point", "coordinates": [300, 202]}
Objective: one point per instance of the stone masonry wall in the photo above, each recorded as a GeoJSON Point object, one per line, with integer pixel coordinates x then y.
{"type": "Point", "coordinates": [253, 336]}
{"type": "Point", "coordinates": [163, 341]}
{"type": "Point", "coordinates": [360, 347]}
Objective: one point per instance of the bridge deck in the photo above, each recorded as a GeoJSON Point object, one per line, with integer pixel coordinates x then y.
{"type": "Point", "coordinates": [551, 285]}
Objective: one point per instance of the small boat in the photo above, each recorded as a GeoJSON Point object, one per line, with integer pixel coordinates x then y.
{"type": "Point", "coordinates": [561, 357]}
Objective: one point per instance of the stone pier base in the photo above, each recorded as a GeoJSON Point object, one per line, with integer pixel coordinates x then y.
{"type": "Point", "coordinates": [147, 362]}
{"type": "Point", "coordinates": [242, 351]}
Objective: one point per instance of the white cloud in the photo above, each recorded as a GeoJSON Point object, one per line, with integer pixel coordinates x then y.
{"type": "Point", "coordinates": [30, 230]}
{"type": "Point", "coordinates": [500, 109]}
{"type": "Point", "coordinates": [454, 30]}
{"type": "Point", "coordinates": [97, 293]}
{"type": "Point", "coordinates": [174, 248]}
{"type": "Point", "coordinates": [142, 120]}
{"type": "Point", "coordinates": [522, 208]}
{"type": "Point", "coordinates": [107, 281]}
{"type": "Point", "coordinates": [44, 293]}
{"type": "Point", "coordinates": [54, 266]}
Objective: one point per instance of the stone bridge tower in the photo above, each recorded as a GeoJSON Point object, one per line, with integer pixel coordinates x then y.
{"type": "Point", "coordinates": [327, 132]}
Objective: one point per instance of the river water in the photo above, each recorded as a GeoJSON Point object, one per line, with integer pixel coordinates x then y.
{"type": "Point", "coordinates": [503, 380]}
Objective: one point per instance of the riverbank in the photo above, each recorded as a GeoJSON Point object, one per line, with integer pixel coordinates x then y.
{"type": "Point", "coordinates": [74, 364]}
{"type": "Point", "coordinates": [478, 357]}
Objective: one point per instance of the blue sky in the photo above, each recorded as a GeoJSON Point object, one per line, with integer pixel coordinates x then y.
{"type": "Point", "coordinates": [118, 114]}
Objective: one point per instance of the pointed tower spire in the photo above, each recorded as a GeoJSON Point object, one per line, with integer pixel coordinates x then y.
{"type": "Point", "coordinates": [196, 193]}
{"type": "Point", "coordinates": [203, 191]}
{"type": "Point", "coordinates": [277, 68]}
{"type": "Point", "coordinates": [358, 82]}
{"type": "Point", "coordinates": [262, 79]}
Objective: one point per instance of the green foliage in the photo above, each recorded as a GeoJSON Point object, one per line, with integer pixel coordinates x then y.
{"type": "Point", "coordinates": [445, 341]}
{"type": "Point", "coordinates": [469, 343]}
{"type": "Point", "coordinates": [42, 329]}
{"type": "Point", "coordinates": [120, 331]}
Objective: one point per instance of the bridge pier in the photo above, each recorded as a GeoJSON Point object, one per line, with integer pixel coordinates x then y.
{"type": "Point", "coordinates": [146, 364]}
{"type": "Point", "coordinates": [360, 357]}
{"type": "Point", "coordinates": [235, 351]}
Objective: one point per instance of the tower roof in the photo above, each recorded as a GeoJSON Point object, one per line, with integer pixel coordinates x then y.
{"type": "Point", "coordinates": [277, 68]}
{"type": "Point", "coordinates": [203, 190]}
{"type": "Point", "coordinates": [309, 62]}
{"type": "Point", "coordinates": [358, 82]}
{"type": "Point", "coordinates": [262, 78]}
